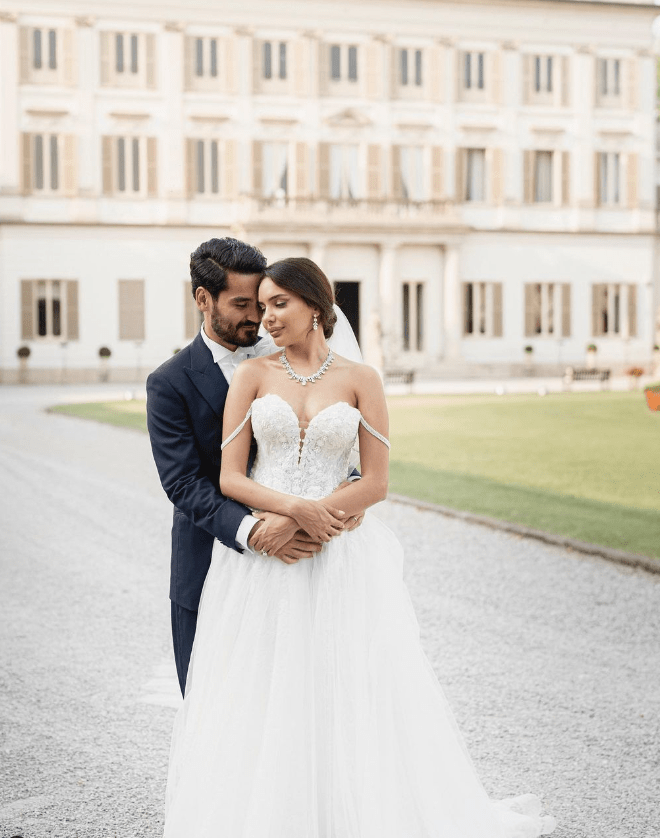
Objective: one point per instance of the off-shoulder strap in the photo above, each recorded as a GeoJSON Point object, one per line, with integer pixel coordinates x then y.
{"type": "Point", "coordinates": [236, 432]}
{"type": "Point", "coordinates": [374, 432]}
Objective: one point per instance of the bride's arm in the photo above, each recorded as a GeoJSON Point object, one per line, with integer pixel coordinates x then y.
{"type": "Point", "coordinates": [320, 520]}
{"type": "Point", "coordinates": [355, 497]}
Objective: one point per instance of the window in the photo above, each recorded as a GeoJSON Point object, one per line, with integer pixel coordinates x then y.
{"type": "Point", "coordinates": [475, 181]}
{"type": "Point", "coordinates": [274, 60]}
{"type": "Point", "coordinates": [49, 309]}
{"type": "Point", "coordinates": [45, 163]}
{"type": "Point", "coordinates": [129, 166]}
{"type": "Point", "coordinates": [543, 73]}
{"type": "Point", "coordinates": [482, 309]}
{"type": "Point", "coordinates": [206, 168]}
{"type": "Point", "coordinates": [547, 177]}
{"type": "Point", "coordinates": [46, 55]}
{"type": "Point", "coordinates": [543, 177]}
{"type": "Point", "coordinates": [413, 182]}
{"type": "Point", "coordinates": [547, 309]}
{"type": "Point", "coordinates": [192, 316]}
{"type": "Point", "coordinates": [546, 79]}
{"type": "Point", "coordinates": [614, 310]}
{"type": "Point", "coordinates": [344, 172]}
{"type": "Point", "coordinates": [206, 57]}
{"type": "Point", "coordinates": [473, 71]}
{"type": "Point", "coordinates": [343, 63]}
{"type": "Point", "coordinates": [128, 59]}
{"type": "Point", "coordinates": [608, 174]}
{"type": "Point", "coordinates": [410, 67]}
{"type": "Point", "coordinates": [131, 309]}
{"type": "Point", "coordinates": [412, 311]}
{"type": "Point", "coordinates": [609, 77]}
{"type": "Point", "coordinates": [48, 164]}
{"type": "Point", "coordinates": [275, 170]}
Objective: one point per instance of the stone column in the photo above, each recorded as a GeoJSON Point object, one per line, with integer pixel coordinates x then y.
{"type": "Point", "coordinates": [453, 330]}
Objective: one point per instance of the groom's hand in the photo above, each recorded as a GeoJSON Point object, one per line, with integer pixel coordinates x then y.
{"type": "Point", "coordinates": [278, 535]}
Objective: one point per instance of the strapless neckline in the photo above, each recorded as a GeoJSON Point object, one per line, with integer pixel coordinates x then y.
{"type": "Point", "coordinates": [315, 416]}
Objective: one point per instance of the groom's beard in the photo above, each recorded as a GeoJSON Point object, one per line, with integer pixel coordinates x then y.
{"type": "Point", "coordinates": [237, 334]}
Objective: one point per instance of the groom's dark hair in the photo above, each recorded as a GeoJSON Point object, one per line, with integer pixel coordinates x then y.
{"type": "Point", "coordinates": [212, 259]}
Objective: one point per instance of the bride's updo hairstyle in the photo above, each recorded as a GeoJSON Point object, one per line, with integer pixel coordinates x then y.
{"type": "Point", "coordinates": [304, 278]}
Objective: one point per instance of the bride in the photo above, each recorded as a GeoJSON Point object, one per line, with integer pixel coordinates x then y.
{"type": "Point", "coordinates": [311, 710]}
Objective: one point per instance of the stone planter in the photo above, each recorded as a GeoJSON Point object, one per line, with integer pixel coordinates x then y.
{"type": "Point", "coordinates": [591, 359]}
{"type": "Point", "coordinates": [653, 398]}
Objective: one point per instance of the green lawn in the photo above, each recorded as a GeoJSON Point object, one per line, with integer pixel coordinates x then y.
{"type": "Point", "coordinates": [584, 465]}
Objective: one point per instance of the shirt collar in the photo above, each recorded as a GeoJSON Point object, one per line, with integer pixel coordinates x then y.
{"type": "Point", "coordinates": [218, 351]}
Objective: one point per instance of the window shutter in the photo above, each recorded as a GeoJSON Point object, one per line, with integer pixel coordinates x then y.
{"type": "Point", "coordinates": [72, 331]}
{"type": "Point", "coordinates": [495, 82]}
{"type": "Point", "coordinates": [598, 198]}
{"type": "Point", "coordinates": [529, 310]}
{"type": "Point", "coordinates": [461, 155]}
{"type": "Point", "coordinates": [69, 164]}
{"type": "Point", "coordinates": [437, 173]}
{"type": "Point", "coordinates": [324, 170]}
{"type": "Point", "coordinates": [27, 309]}
{"type": "Point", "coordinates": [257, 168]}
{"type": "Point", "coordinates": [633, 177]}
{"type": "Point", "coordinates": [528, 176]}
{"type": "Point", "coordinates": [497, 176]}
{"type": "Point", "coordinates": [105, 57]}
{"type": "Point", "coordinates": [633, 84]}
{"type": "Point", "coordinates": [565, 81]}
{"type": "Point", "coordinates": [565, 310]}
{"type": "Point", "coordinates": [152, 166]}
{"type": "Point", "coordinates": [596, 294]}
{"type": "Point", "coordinates": [397, 185]}
{"type": "Point", "coordinates": [598, 74]}
{"type": "Point", "coordinates": [565, 178]}
{"type": "Point", "coordinates": [466, 307]}
{"type": "Point", "coordinates": [191, 186]}
{"type": "Point", "coordinates": [107, 146]}
{"type": "Point", "coordinates": [191, 314]}
{"type": "Point", "coordinates": [432, 75]}
{"type": "Point", "coordinates": [257, 65]}
{"type": "Point", "coordinates": [373, 74]}
{"type": "Point", "coordinates": [632, 311]}
{"type": "Point", "coordinates": [69, 57]}
{"type": "Point", "coordinates": [374, 172]}
{"type": "Point", "coordinates": [24, 53]}
{"type": "Point", "coordinates": [302, 170]}
{"type": "Point", "coordinates": [302, 70]}
{"type": "Point", "coordinates": [131, 309]}
{"type": "Point", "coordinates": [187, 63]}
{"type": "Point", "coordinates": [527, 60]}
{"type": "Point", "coordinates": [228, 46]}
{"type": "Point", "coordinates": [150, 60]}
{"type": "Point", "coordinates": [26, 167]}
{"type": "Point", "coordinates": [460, 74]}
{"type": "Point", "coordinates": [394, 64]}
{"type": "Point", "coordinates": [229, 169]}
{"type": "Point", "coordinates": [497, 310]}
{"type": "Point", "coordinates": [324, 68]}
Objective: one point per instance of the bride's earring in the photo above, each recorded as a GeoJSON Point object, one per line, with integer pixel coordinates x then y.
{"type": "Point", "coordinates": [315, 324]}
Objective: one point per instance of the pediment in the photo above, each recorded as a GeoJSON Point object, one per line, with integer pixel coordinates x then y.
{"type": "Point", "coordinates": [348, 118]}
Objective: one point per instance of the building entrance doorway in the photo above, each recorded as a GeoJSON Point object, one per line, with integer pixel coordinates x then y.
{"type": "Point", "coordinates": [347, 295]}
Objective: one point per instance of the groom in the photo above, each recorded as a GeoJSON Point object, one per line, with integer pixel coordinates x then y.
{"type": "Point", "coordinates": [185, 403]}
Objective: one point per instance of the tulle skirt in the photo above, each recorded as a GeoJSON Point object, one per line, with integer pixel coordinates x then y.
{"type": "Point", "coordinates": [311, 710]}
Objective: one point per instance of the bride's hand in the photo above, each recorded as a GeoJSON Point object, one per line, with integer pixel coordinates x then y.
{"type": "Point", "coordinates": [320, 522]}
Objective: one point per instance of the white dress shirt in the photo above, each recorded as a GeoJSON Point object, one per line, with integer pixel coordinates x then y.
{"type": "Point", "coordinates": [228, 361]}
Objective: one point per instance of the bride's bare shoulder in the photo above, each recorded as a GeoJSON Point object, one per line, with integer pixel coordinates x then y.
{"type": "Point", "coordinates": [362, 374]}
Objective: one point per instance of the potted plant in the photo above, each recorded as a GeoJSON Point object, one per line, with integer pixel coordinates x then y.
{"type": "Point", "coordinates": [592, 349]}
{"type": "Point", "coordinates": [652, 393]}
{"type": "Point", "coordinates": [656, 358]}
{"type": "Point", "coordinates": [23, 353]}
{"type": "Point", "coordinates": [634, 374]}
{"type": "Point", "coordinates": [529, 357]}
{"type": "Point", "coordinates": [104, 355]}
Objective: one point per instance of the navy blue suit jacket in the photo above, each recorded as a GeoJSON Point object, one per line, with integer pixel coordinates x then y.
{"type": "Point", "coordinates": [185, 404]}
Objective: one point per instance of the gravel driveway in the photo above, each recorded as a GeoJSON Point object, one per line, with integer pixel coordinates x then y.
{"type": "Point", "coordinates": [550, 659]}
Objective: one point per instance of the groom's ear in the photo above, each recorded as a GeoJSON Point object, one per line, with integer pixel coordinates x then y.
{"type": "Point", "coordinates": [203, 299]}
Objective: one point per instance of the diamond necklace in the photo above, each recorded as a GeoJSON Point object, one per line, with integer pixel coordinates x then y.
{"type": "Point", "coordinates": [303, 379]}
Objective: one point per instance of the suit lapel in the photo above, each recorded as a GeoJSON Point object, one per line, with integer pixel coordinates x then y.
{"type": "Point", "coordinates": [207, 377]}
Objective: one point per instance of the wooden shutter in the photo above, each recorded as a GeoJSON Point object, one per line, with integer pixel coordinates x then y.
{"type": "Point", "coordinates": [437, 173]}
{"type": "Point", "coordinates": [323, 56]}
{"type": "Point", "coordinates": [228, 46]}
{"type": "Point", "coordinates": [257, 168]}
{"type": "Point", "coordinates": [565, 178]}
{"type": "Point", "coordinates": [460, 74]}
{"type": "Point", "coordinates": [493, 63]}
{"type": "Point", "coordinates": [373, 82]}
{"type": "Point", "coordinates": [324, 170]}
{"type": "Point", "coordinates": [187, 63]}
{"type": "Point", "coordinates": [69, 164]}
{"type": "Point", "coordinates": [69, 57]}
{"type": "Point", "coordinates": [598, 198]}
{"type": "Point", "coordinates": [152, 166]}
{"type": "Point", "coordinates": [191, 314]}
{"type": "Point", "coordinates": [497, 176]}
{"type": "Point", "coordinates": [528, 176]}
{"type": "Point", "coordinates": [25, 53]}
{"type": "Point", "coordinates": [597, 294]}
{"type": "Point", "coordinates": [633, 180]}
{"type": "Point", "coordinates": [565, 309]}
{"type": "Point", "coordinates": [26, 167]}
{"type": "Point", "coordinates": [432, 75]}
{"type": "Point", "coordinates": [302, 71]}
{"type": "Point", "coordinates": [633, 83]}
{"type": "Point", "coordinates": [27, 309]}
{"type": "Point", "coordinates": [72, 328]}
{"type": "Point", "coordinates": [498, 330]}
{"type": "Point", "coordinates": [302, 170]}
{"type": "Point", "coordinates": [191, 179]}
{"type": "Point", "coordinates": [229, 169]}
{"type": "Point", "coordinates": [105, 57]}
{"type": "Point", "coordinates": [374, 172]}
{"type": "Point", "coordinates": [529, 310]}
{"type": "Point", "coordinates": [632, 311]}
{"type": "Point", "coordinates": [397, 185]}
{"type": "Point", "coordinates": [565, 69]}
{"type": "Point", "coordinates": [460, 173]}
{"type": "Point", "coordinates": [527, 86]}
{"type": "Point", "coordinates": [107, 148]}
{"type": "Point", "coordinates": [466, 308]}
{"type": "Point", "coordinates": [150, 60]}
{"type": "Point", "coordinates": [131, 309]}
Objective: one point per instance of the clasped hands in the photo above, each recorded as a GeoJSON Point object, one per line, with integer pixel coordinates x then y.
{"type": "Point", "coordinates": [291, 539]}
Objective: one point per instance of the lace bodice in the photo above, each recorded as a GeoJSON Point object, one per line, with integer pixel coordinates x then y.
{"type": "Point", "coordinates": [310, 467]}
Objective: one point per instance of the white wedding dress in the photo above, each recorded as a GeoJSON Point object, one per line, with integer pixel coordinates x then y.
{"type": "Point", "coordinates": [311, 710]}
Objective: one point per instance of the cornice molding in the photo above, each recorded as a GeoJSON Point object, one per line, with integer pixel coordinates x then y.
{"type": "Point", "coordinates": [174, 26]}
{"type": "Point", "coordinates": [85, 22]}
{"type": "Point", "coordinates": [8, 17]}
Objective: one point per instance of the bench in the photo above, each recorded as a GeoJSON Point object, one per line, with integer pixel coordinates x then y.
{"type": "Point", "coordinates": [585, 374]}
{"type": "Point", "coordinates": [399, 377]}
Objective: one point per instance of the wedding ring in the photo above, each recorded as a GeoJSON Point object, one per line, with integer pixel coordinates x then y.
{"type": "Point", "coordinates": [264, 553]}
